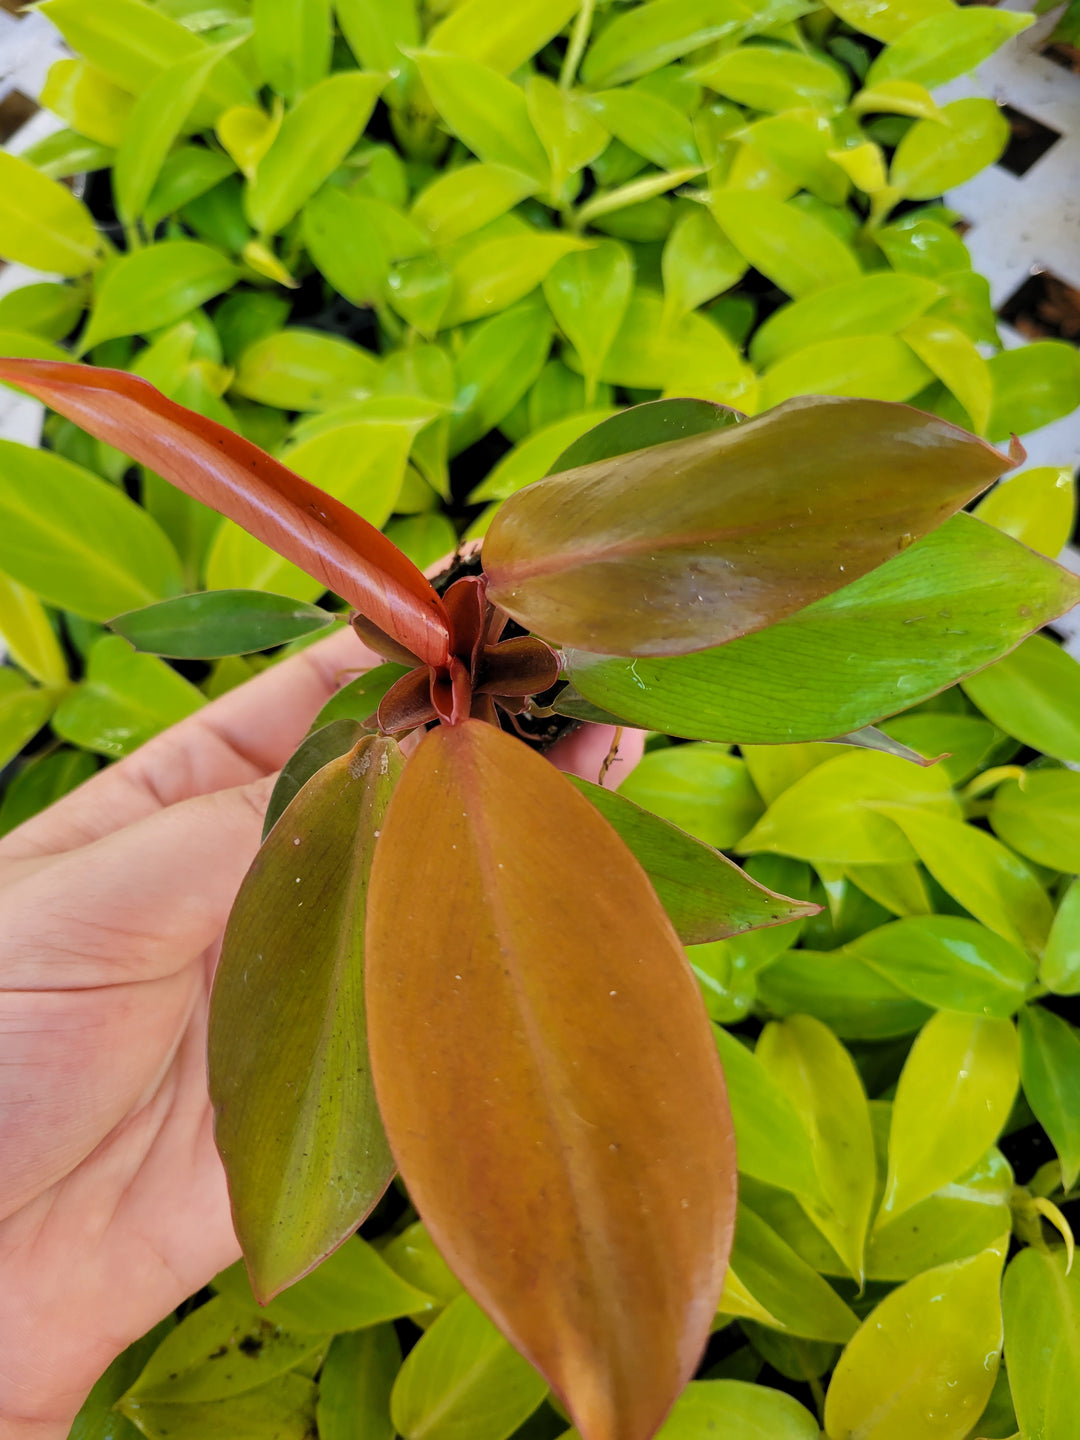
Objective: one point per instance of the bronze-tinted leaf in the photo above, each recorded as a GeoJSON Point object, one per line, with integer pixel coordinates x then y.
{"type": "Point", "coordinates": [222, 469]}
{"type": "Point", "coordinates": [547, 1076]}
{"type": "Point", "coordinates": [295, 1114]}
{"type": "Point", "coordinates": [695, 542]}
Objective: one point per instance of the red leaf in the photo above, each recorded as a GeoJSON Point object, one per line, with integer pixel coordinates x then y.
{"type": "Point", "coordinates": [547, 1077]}
{"type": "Point", "coordinates": [223, 470]}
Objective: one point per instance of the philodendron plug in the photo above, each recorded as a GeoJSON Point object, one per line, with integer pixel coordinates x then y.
{"type": "Point", "coordinates": [450, 959]}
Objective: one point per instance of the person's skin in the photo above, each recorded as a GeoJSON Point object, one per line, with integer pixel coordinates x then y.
{"type": "Point", "coordinates": [113, 1206]}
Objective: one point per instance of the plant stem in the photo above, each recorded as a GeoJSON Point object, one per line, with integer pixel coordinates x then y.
{"type": "Point", "coordinates": [579, 38]}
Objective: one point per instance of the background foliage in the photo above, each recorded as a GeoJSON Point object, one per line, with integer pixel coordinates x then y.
{"type": "Point", "coordinates": [416, 254]}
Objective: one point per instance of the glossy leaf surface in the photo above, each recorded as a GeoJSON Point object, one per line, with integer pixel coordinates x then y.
{"type": "Point", "coordinates": [906, 650]}
{"type": "Point", "coordinates": [706, 895]}
{"type": "Point", "coordinates": [298, 369]}
{"type": "Point", "coordinates": [501, 36]}
{"type": "Point", "coordinates": [588, 293]}
{"type": "Point", "coordinates": [701, 788]}
{"type": "Point", "coordinates": [964, 1070]}
{"type": "Point", "coordinates": [1036, 507]}
{"type": "Point", "coordinates": [124, 700]}
{"type": "Point", "coordinates": [771, 1140]}
{"type": "Point", "coordinates": [1034, 695]}
{"type": "Point", "coordinates": [533, 960]}
{"type": "Point", "coordinates": [929, 1348]}
{"type": "Point", "coordinates": [719, 540]}
{"type": "Point", "coordinates": [795, 249]}
{"type": "Point", "coordinates": [935, 156]}
{"type": "Point", "coordinates": [792, 1292]}
{"type": "Point", "coordinates": [41, 223]}
{"type": "Point", "coordinates": [942, 45]}
{"type": "Point", "coordinates": [950, 963]}
{"type": "Point", "coordinates": [1039, 815]}
{"type": "Point", "coordinates": [1042, 1343]}
{"type": "Point", "coordinates": [1050, 1074]}
{"type": "Point", "coordinates": [219, 622]}
{"type": "Point", "coordinates": [146, 289]}
{"type": "Point", "coordinates": [224, 470]}
{"type": "Point", "coordinates": [295, 1115]}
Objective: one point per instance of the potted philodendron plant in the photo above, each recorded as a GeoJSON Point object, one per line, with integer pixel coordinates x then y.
{"type": "Point", "coordinates": [452, 960]}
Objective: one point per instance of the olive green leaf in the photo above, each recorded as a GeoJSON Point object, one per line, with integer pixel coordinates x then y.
{"type": "Point", "coordinates": [1036, 507]}
{"type": "Point", "coordinates": [358, 700]}
{"type": "Point", "coordinates": [953, 358]}
{"type": "Point", "coordinates": [125, 700]}
{"type": "Point", "coordinates": [27, 634]}
{"type": "Point", "coordinates": [485, 110]}
{"type": "Point", "coordinates": [327, 740]}
{"type": "Point", "coordinates": [42, 782]}
{"type": "Point", "coordinates": [502, 36]}
{"type": "Point", "coordinates": [98, 1420]}
{"type": "Point", "coordinates": [321, 1160]}
{"type": "Point", "coordinates": [1050, 1075]}
{"type": "Point", "coordinates": [463, 200]}
{"type": "Point", "coordinates": [314, 138]}
{"type": "Point", "coordinates": [934, 156]}
{"type": "Point", "coordinates": [41, 222]}
{"type": "Point", "coordinates": [771, 1140]}
{"type": "Point", "coordinates": [930, 1348]}
{"type": "Point", "coordinates": [1034, 695]}
{"type": "Point", "coordinates": [1060, 968]}
{"type": "Point", "coordinates": [588, 293]}
{"type": "Point", "coordinates": [355, 1384]}
{"type": "Point", "coordinates": [463, 1381]}
{"type": "Point", "coordinates": [788, 244]}
{"type": "Point", "coordinates": [147, 289]}
{"type": "Point", "coordinates": [219, 622]}
{"type": "Point", "coordinates": [293, 41]}
{"type": "Point", "coordinates": [298, 369]}
{"type": "Point", "coordinates": [77, 541]}
{"type": "Point", "coordinates": [950, 963]}
{"type": "Point", "coordinates": [1042, 1343]}
{"type": "Point", "coordinates": [964, 1070]}
{"type": "Point", "coordinates": [874, 367]}
{"type": "Point", "coordinates": [775, 77]}
{"type": "Point", "coordinates": [1039, 816]}
{"type": "Point", "coordinates": [497, 365]}
{"type": "Point", "coordinates": [790, 1290]}
{"type": "Point", "coordinates": [946, 43]}
{"type": "Point", "coordinates": [819, 1077]}
{"type": "Point", "coordinates": [283, 1408]}
{"type": "Point", "coordinates": [700, 788]}
{"type": "Point", "coordinates": [186, 173]}
{"type": "Point", "coordinates": [849, 997]}
{"type": "Point", "coordinates": [88, 100]}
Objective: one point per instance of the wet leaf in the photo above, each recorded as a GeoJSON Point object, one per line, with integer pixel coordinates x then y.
{"type": "Point", "coordinates": [355, 1385]}
{"type": "Point", "coordinates": [570, 133]}
{"type": "Point", "coordinates": [125, 700]}
{"type": "Point", "coordinates": [650, 125]}
{"type": "Point", "coordinates": [463, 1381]}
{"type": "Point", "coordinates": [700, 788]}
{"type": "Point", "coordinates": [1042, 1343]}
{"type": "Point", "coordinates": [771, 1140]}
{"type": "Point", "coordinates": [150, 288]}
{"type": "Point", "coordinates": [930, 1348]}
{"type": "Point", "coordinates": [1033, 694]}
{"type": "Point", "coordinates": [526, 956]}
{"type": "Point", "coordinates": [962, 1069]}
{"type": "Point", "coordinates": [569, 559]}
{"type": "Point", "coordinates": [219, 622]}
{"type": "Point", "coordinates": [1036, 507]}
{"type": "Point", "coordinates": [214, 465]}
{"type": "Point", "coordinates": [41, 223]}
{"type": "Point", "coordinates": [1050, 1074]}
{"type": "Point", "coordinates": [891, 620]}
{"type": "Point", "coordinates": [788, 244]}
{"type": "Point", "coordinates": [950, 963]}
{"type": "Point", "coordinates": [807, 1061]}
{"type": "Point", "coordinates": [588, 293]}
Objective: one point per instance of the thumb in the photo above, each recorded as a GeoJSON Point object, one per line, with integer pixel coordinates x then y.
{"type": "Point", "coordinates": [138, 904]}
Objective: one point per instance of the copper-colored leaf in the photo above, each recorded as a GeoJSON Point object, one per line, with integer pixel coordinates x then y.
{"type": "Point", "coordinates": [295, 1114]}
{"type": "Point", "coordinates": [694, 542]}
{"type": "Point", "coordinates": [223, 470]}
{"type": "Point", "coordinates": [547, 1076]}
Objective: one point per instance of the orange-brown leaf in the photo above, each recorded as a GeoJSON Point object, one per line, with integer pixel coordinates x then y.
{"type": "Point", "coordinates": [547, 1077]}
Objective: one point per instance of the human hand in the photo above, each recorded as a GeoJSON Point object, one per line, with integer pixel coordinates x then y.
{"type": "Point", "coordinates": [113, 1205]}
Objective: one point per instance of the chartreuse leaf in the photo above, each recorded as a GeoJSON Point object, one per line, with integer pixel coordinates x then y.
{"type": "Point", "coordinates": [219, 622]}
{"type": "Point", "coordinates": [49, 310]}
{"type": "Point", "coordinates": [1034, 695]}
{"type": "Point", "coordinates": [377, 30]}
{"type": "Point", "coordinates": [352, 1289]}
{"type": "Point", "coordinates": [896, 97]}
{"type": "Point", "coordinates": [293, 41]}
{"type": "Point", "coordinates": [569, 131]}
{"type": "Point", "coordinates": [792, 1292]}
{"type": "Point", "coordinates": [964, 1070]}
{"type": "Point", "coordinates": [41, 222]}
{"type": "Point", "coordinates": [288, 1062]}
{"type": "Point", "coordinates": [1050, 1074]}
{"type": "Point", "coordinates": [463, 1381]}
{"type": "Point", "coordinates": [528, 913]}
{"type": "Point", "coordinates": [41, 783]}
{"type": "Point", "coordinates": [936, 155]}
{"type": "Point", "coordinates": [885, 22]}
{"type": "Point", "coordinates": [1034, 385]}
{"type": "Point", "coordinates": [890, 620]}
{"type": "Point", "coordinates": [1036, 507]}
{"type": "Point", "coordinates": [819, 1077]}
{"type": "Point", "coordinates": [851, 999]}
{"type": "Point", "coordinates": [788, 244]}
{"type": "Point", "coordinates": [831, 814]}
{"type": "Point", "coordinates": [701, 788]}
{"type": "Point", "coordinates": [98, 1420]}
{"type": "Point", "coordinates": [499, 362]}
{"type": "Point", "coordinates": [355, 1384]}
{"type": "Point", "coordinates": [187, 172]}
{"type": "Point", "coordinates": [770, 1138]}
{"type": "Point", "coordinates": [878, 304]}
{"type": "Point", "coordinates": [1039, 815]}
{"type": "Point", "coordinates": [24, 709]}
{"type": "Point", "coordinates": [649, 125]}
{"type": "Point", "coordinates": [1060, 968]}
{"type": "Point", "coordinates": [77, 541]}
{"type": "Point", "coordinates": [283, 1408]}
{"type": "Point", "coordinates": [501, 36]}
{"type": "Point", "coordinates": [493, 273]}
{"type": "Point", "coordinates": [950, 963]}
{"type": "Point", "coordinates": [413, 1255]}
{"type": "Point", "coordinates": [88, 100]}
{"type": "Point", "coordinates": [874, 367]}
{"type": "Point", "coordinates": [485, 110]}
{"type": "Point", "coordinates": [65, 153]}
{"type": "Point", "coordinates": [649, 354]}
{"type": "Point", "coordinates": [569, 558]}
{"type": "Point", "coordinates": [699, 262]}
{"type": "Point", "coordinates": [644, 39]}
{"type": "Point", "coordinates": [980, 872]}
{"type": "Point", "coordinates": [953, 358]}
{"type": "Point", "coordinates": [926, 248]}
{"type": "Point", "coordinates": [147, 289]}
{"type": "Point", "coordinates": [942, 45]}
{"type": "Point", "coordinates": [156, 120]}
{"type": "Point", "coordinates": [473, 195]}
{"type": "Point", "coordinates": [220, 1350]}
{"type": "Point", "coordinates": [299, 369]}
{"type": "Point", "coordinates": [961, 1218]}
{"type": "Point", "coordinates": [1041, 1297]}
{"type": "Point", "coordinates": [247, 132]}
{"type": "Point", "coordinates": [27, 634]}
{"type": "Point", "coordinates": [125, 700]}
{"type": "Point", "coordinates": [706, 896]}
{"type": "Point", "coordinates": [535, 456]}
{"type": "Point", "coordinates": [588, 293]}
{"type": "Point", "coordinates": [929, 1349]}
{"type": "Point", "coordinates": [313, 140]}
{"type": "Point", "coordinates": [775, 77]}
